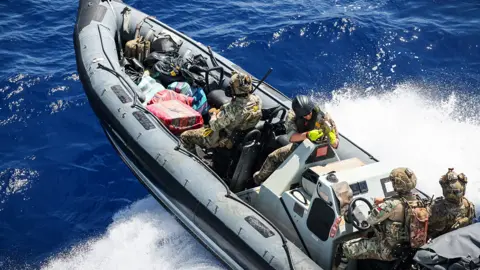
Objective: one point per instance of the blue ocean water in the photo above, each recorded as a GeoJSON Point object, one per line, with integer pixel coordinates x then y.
{"type": "Point", "coordinates": [67, 201]}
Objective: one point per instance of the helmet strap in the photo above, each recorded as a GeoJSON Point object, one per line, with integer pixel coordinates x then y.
{"type": "Point", "coordinates": [241, 95]}
{"type": "Point", "coordinates": [320, 112]}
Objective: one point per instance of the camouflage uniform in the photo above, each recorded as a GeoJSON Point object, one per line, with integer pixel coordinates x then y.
{"type": "Point", "coordinates": [278, 156]}
{"type": "Point", "coordinates": [388, 221]}
{"type": "Point", "coordinates": [242, 113]}
{"type": "Point", "coordinates": [452, 211]}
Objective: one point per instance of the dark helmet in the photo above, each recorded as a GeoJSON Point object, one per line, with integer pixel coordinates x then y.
{"type": "Point", "coordinates": [302, 105]}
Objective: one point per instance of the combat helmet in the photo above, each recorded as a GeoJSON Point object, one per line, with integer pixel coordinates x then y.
{"type": "Point", "coordinates": [453, 185]}
{"type": "Point", "coordinates": [403, 180]}
{"type": "Point", "coordinates": [240, 84]}
{"type": "Point", "coordinates": [302, 105]}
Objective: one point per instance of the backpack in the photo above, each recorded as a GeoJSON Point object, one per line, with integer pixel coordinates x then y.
{"type": "Point", "coordinates": [167, 69]}
{"type": "Point", "coordinates": [416, 222]}
{"type": "Point", "coordinates": [154, 57]}
{"type": "Point", "coordinates": [193, 68]}
{"type": "Point", "coordinates": [137, 48]}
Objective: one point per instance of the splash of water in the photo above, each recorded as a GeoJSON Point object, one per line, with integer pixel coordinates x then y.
{"type": "Point", "coordinates": [415, 127]}
{"type": "Point", "coordinates": [409, 127]}
{"type": "Point", "coordinates": [143, 236]}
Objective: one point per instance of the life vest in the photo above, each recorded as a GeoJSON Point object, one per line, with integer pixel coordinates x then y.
{"type": "Point", "coordinates": [416, 221]}
{"type": "Point", "coordinates": [392, 230]}
{"type": "Point", "coordinates": [465, 215]}
{"type": "Point", "coordinates": [245, 112]}
{"type": "Point", "coordinates": [471, 208]}
{"type": "Point", "coordinates": [304, 125]}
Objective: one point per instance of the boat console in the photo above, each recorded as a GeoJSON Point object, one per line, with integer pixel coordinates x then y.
{"type": "Point", "coordinates": [320, 201]}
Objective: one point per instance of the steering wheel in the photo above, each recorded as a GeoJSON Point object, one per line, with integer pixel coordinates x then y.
{"type": "Point", "coordinates": [361, 226]}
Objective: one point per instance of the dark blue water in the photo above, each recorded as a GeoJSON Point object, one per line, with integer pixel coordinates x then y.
{"type": "Point", "coordinates": [67, 201]}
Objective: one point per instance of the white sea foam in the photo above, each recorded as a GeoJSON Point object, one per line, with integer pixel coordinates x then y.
{"type": "Point", "coordinates": [143, 236]}
{"type": "Point", "coordinates": [412, 126]}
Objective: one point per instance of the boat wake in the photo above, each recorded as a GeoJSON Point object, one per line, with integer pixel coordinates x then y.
{"type": "Point", "coordinates": [415, 126]}
{"type": "Point", "coordinates": [407, 127]}
{"type": "Point", "coordinates": [143, 236]}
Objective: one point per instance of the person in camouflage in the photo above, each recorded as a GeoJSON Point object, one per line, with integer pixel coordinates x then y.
{"type": "Point", "coordinates": [304, 120]}
{"type": "Point", "coordinates": [242, 113]}
{"type": "Point", "coordinates": [453, 210]}
{"type": "Point", "coordinates": [387, 220]}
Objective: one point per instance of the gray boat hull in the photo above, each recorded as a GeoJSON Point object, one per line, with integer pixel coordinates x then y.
{"type": "Point", "coordinates": [234, 231]}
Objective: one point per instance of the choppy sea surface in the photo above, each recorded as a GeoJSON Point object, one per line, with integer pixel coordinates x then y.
{"type": "Point", "coordinates": [401, 79]}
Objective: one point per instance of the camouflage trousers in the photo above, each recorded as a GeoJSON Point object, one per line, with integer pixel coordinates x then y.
{"type": "Point", "coordinates": [275, 159]}
{"type": "Point", "coordinates": [363, 248]}
{"type": "Point", "coordinates": [193, 137]}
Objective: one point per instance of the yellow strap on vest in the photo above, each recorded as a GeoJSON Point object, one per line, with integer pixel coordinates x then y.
{"type": "Point", "coordinates": [207, 132]}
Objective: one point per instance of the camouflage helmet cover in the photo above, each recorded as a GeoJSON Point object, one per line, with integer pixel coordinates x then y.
{"type": "Point", "coordinates": [403, 180]}
{"type": "Point", "coordinates": [453, 185]}
{"type": "Point", "coordinates": [241, 84]}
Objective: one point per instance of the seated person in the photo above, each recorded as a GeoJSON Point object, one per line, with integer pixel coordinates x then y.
{"type": "Point", "coordinates": [453, 210]}
{"type": "Point", "coordinates": [304, 120]}
{"type": "Point", "coordinates": [388, 220]}
{"type": "Point", "coordinates": [242, 113]}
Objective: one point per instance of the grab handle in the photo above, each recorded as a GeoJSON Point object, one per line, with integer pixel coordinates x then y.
{"type": "Point", "coordinates": [219, 68]}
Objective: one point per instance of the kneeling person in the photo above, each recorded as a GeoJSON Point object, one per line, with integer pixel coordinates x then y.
{"type": "Point", "coordinates": [242, 113]}
{"type": "Point", "coordinates": [304, 120]}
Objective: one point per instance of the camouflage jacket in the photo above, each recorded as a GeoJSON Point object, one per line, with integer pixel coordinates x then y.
{"type": "Point", "coordinates": [291, 125]}
{"type": "Point", "coordinates": [388, 220]}
{"type": "Point", "coordinates": [446, 216]}
{"type": "Point", "coordinates": [239, 114]}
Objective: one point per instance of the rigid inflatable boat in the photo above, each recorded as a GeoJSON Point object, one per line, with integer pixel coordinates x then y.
{"type": "Point", "coordinates": [292, 221]}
